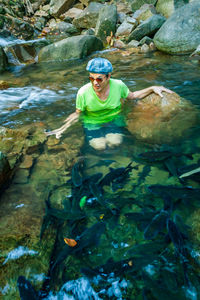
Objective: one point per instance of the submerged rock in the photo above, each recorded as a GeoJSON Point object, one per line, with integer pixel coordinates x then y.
{"type": "Point", "coordinates": [180, 34]}
{"type": "Point", "coordinates": [71, 48]}
{"type": "Point", "coordinates": [3, 60]}
{"type": "Point", "coordinates": [158, 120]}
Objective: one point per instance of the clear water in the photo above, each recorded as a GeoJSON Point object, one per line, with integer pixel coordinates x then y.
{"type": "Point", "coordinates": [44, 95]}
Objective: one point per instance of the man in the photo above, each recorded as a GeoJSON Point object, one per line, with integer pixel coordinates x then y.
{"type": "Point", "coordinates": [98, 103]}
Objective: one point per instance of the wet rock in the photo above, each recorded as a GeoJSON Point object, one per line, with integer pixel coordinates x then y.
{"type": "Point", "coordinates": [4, 85]}
{"type": "Point", "coordinates": [147, 28]}
{"type": "Point", "coordinates": [106, 22]}
{"type": "Point", "coordinates": [121, 17]}
{"type": "Point", "coordinates": [40, 23]}
{"type": "Point", "coordinates": [82, 46]}
{"type": "Point", "coordinates": [19, 28]}
{"type": "Point", "coordinates": [159, 120]}
{"type": "Point", "coordinates": [124, 7]}
{"type": "Point", "coordinates": [3, 60]}
{"type": "Point", "coordinates": [180, 34]}
{"type": "Point", "coordinates": [144, 48]}
{"type": "Point", "coordinates": [58, 7]}
{"type": "Point", "coordinates": [88, 18]}
{"type": "Point", "coordinates": [136, 4]}
{"type": "Point", "coordinates": [133, 44]}
{"type": "Point", "coordinates": [5, 171]}
{"type": "Point", "coordinates": [89, 31]}
{"type": "Point", "coordinates": [119, 44]}
{"type": "Point", "coordinates": [21, 176]}
{"type": "Point", "coordinates": [145, 12]}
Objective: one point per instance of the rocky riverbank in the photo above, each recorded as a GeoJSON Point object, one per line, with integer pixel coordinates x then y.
{"type": "Point", "coordinates": [68, 29]}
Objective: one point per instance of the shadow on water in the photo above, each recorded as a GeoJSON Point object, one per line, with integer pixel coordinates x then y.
{"type": "Point", "coordinates": [132, 222]}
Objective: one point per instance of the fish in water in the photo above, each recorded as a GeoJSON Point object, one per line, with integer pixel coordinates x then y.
{"type": "Point", "coordinates": [90, 237]}
{"type": "Point", "coordinates": [157, 225]}
{"type": "Point", "coordinates": [76, 174]}
{"type": "Point", "coordinates": [158, 156]}
{"type": "Point", "coordinates": [177, 238]}
{"type": "Point", "coordinates": [117, 174]}
{"type": "Point", "coordinates": [102, 162]}
{"type": "Point", "coordinates": [26, 290]}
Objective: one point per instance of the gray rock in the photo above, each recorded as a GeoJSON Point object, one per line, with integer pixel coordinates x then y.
{"type": "Point", "coordinates": [145, 12]}
{"type": "Point", "coordinates": [67, 27]}
{"type": "Point", "coordinates": [136, 4]}
{"type": "Point", "coordinates": [3, 60]}
{"type": "Point", "coordinates": [180, 34]}
{"type": "Point", "coordinates": [124, 29]}
{"type": "Point", "coordinates": [133, 44]}
{"type": "Point", "coordinates": [167, 7]}
{"type": "Point", "coordinates": [58, 7]}
{"type": "Point", "coordinates": [71, 48]}
{"type": "Point", "coordinates": [106, 22]}
{"type": "Point", "coordinates": [147, 28]}
{"type": "Point", "coordinates": [88, 18]}
{"type": "Point", "coordinates": [145, 40]}
{"type": "Point", "coordinates": [121, 17]}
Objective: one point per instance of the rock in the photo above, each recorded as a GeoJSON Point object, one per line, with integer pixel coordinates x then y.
{"type": "Point", "coordinates": [144, 48]}
{"type": "Point", "coordinates": [167, 7]}
{"type": "Point", "coordinates": [119, 44]}
{"type": "Point", "coordinates": [145, 40]}
{"type": "Point", "coordinates": [40, 23]}
{"type": "Point", "coordinates": [58, 7]}
{"type": "Point", "coordinates": [121, 17]}
{"type": "Point", "coordinates": [160, 120]}
{"type": "Point", "coordinates": [124, 29]}
{"type": "Point", "coordinates": [132, 20]}
{"type": "Point", "coordinates": [145, 12]}
{"type": "Point", "coordinates": [180, 34]}
{"type": "Point", "coordinates": [88, 31]}
{"type": "Point", "coordinates": [4, 85]}
{"type": "Point", "coordinates": [88, 18]}
{"type": "Point", "coordinates": [3, 60]}
{"type": "Point", "coordinates": [5, 171]}
{"type": "Point", "coordinates": [148, 27]}
{"type": "Point", "coordinates": [82, 46]}
{"type": "Point", "coordinates": [123, 7]}
{"type": "Point", "coordinates": [136, 4]}
{"type": "Point", "coordinates": [133, 44]}
{"type": "Point", "coordinates": [67, 27]}
{"type": "Point", "coordinates": [72, 13]}
{"type": "Point", "coordinates": [106, 23]}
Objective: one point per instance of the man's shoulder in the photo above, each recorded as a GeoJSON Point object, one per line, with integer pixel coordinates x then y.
{"type": "Point", "coordinates": [84, 89]}
{"type": "Point", "coordinates": [116, 81]}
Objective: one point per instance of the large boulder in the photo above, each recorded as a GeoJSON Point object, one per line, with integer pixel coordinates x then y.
{"type": "Point", "coordinates": [147, 28]}
{"type": "Point", "coordinates": [3, 60]}
{"type": "Point", "coordinates": [161, 120]}
{"type": "Point", "coordinates": [180, 34]}
{"type": "Point", "coordinates": [73, 47]}
{"type": "Point", "coordinates": [88, 17]}
{"type": "Point", "coordinates": [145, 12]}
{"type": "Point", "coordinates": [58, 7]}
{"type": "Point", "coordinates": [136, 4]}
{"type": "Point", "coordinates": [106, 22]}
{"type": "Point", "coordinates": [167, 7]}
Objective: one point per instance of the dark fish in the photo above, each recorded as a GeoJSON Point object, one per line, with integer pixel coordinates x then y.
{"type": "Point", "coordinates": [157, 224]}
{"type": "Point", "coordinates": [26, 290]}
{"type": "Point", "coordinates": [175, 192]}
{"type": "Point", "coordinates": [76, 175]}
{"type": "Point", "coordinates": [169, 279]}
{"type": "Point", "coordinates": [154, 156]}
{"type": "Point", "coordinates": [114, 174]}
{"type": "Point", "coordinates": [176, 238]}
{"type": "Point", "coordinates": [142, 175]}
{"type": "Point", "coordinates": [148, 249]}
{"type": "Point", "coordinates": [169, 164]}
{"type": "Point", "coordinates": [102, 162]}
{"type": "Point", "coordinates": [88, 238]}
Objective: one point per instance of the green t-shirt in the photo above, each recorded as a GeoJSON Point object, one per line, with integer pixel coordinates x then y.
{"type": "Point", "coordinates": [97, 111]}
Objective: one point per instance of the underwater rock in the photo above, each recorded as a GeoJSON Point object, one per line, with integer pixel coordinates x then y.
{"type": "Point", "coordinates": [157, 119]}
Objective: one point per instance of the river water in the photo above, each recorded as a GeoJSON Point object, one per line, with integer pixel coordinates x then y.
{"type": "Point", "coordinates": [45, 94]}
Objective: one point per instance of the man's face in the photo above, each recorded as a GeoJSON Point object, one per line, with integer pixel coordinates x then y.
{"type": "Point", "coordinates": [99, 81]}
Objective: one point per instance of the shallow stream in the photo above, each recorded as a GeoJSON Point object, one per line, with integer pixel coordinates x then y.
{"type": "Point", "coordinates": [128, 257]}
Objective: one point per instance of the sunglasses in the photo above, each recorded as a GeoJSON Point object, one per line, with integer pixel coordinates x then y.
{"type": "Point", "coordinates": [98, 79]}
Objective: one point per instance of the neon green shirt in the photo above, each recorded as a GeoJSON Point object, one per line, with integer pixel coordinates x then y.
{"type": "Point", "coordinates": [95, 110]}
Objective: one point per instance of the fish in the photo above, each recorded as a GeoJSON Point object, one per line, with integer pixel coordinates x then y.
{"type": "Point", "coordinates": [142, 175]}
{"type": "Point", "coordinates": [90, 237]}
{"type": "Point", "coordinates": [149, 248]}
{"type": "Point", "coordinates": [26, 290]}
{"type": "Point", "coordinates": [70, 242]}
{"type": "Point", "coordinates": [175, 192]}
{"type": "Point", "coordinates": [115, 174]}
{"type": "Point", "coordinates": [176, 238]}
{"type": "Point", "coordinates": [159, 156]}
{"type": "Point", "coordinates": [169, 164]}
{"type": "Point", "coordinates": [76, 175]}
{"type": "Point", "coordinates": [157, 224]}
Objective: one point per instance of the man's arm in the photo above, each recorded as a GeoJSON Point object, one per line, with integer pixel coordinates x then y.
{"type": "Point", "coordinates": [71, 119]}
{"type": "Point", "coordinates": [145, 92]}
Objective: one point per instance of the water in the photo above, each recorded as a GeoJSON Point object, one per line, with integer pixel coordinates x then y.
{"type": "Point", "coordinates": [40, 97]}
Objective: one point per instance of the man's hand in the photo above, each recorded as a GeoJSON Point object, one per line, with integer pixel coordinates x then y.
{"type": "Point", "coordinates": [159, 89]}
